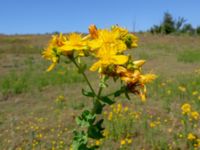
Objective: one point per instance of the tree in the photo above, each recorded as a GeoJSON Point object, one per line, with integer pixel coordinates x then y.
{"type": "Point", "coordinates": [187, 28]}
{"type": "Point", "coordinates": [179, 23]}
{"type": "Point", "coordinates": [198, 30]}
{"type": "Point", "coordinates": [168, 24]}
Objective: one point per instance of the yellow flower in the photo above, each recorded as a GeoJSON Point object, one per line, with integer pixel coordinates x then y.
{"type": "Point", "coordinates": [110, 116]}
{"type": "Point", "coordinates": [194, 93]}
{"type": "Point", "coordinates": [97, 142]}
{"type": "Point", "coordinates": [123, 142]}
{"type": "Point", "coordinates": [147, 78]}
{"type": "Point", "coordinates": [152, 124]}
{"type": "Point", "coordinates": [53, 52]}
{"type": "Point", "coordinates": [182, 88]}
{"type": "Point", "coordinates": [191, 137]}
{"type": "Point", "coordinates": [129, 140]}
{"type": "Point", "coordinates": [106, 37]}
{"type": "Point", "coordinates": [107, 57]}
{"type": "Point", "coordinates": [131, 40]}
{"type": "Point", "coordinates": [138, 63]}
{"type": "Point", "coordinates": [194, 115]}
{"type": "Point", "coordinates": [74, 42]}
{"type": "Point", "coordinates": [121, 31]}
{"type": "Point", "coordinates": [186, 108]}
{"type": "Point", "coordinates": [93, 31]}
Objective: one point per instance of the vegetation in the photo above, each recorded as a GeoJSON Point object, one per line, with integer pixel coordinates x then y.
{"type": "Point", "coordinates": [170, 25]}
{"type": "Point", "coordinates": [42, 114]}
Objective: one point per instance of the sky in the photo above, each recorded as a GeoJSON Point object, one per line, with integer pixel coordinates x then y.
{"type": "Point", "coordinates": [47, 16]}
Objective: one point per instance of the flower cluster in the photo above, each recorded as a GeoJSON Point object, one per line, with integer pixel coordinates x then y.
{"type": "Point", "coordinates": [187, 110]}
{"type": "Point", "coordinates": [107, 46]}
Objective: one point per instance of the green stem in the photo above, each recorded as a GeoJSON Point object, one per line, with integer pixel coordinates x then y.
{"type": "Point", "coordinates": [99, 92]}
{"type": "Point", "coordinates": [84, 75]}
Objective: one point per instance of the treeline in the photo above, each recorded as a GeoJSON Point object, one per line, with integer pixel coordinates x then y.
{"type": "Point", "coordinates": [170, 25]}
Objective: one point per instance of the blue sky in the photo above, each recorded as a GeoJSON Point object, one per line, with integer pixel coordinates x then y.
{"type": "Point", "coordinates": [41, 16]}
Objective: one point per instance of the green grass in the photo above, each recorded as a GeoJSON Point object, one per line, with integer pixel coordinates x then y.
{"type": "Point", "coordinates": [34, 77]}
{"type": "Point", "coordinates": [189, 56]}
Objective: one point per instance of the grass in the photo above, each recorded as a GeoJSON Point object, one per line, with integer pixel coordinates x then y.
{"type": "Point", "coordinates": [38, 109]}
{"type": "Point", "coordinates": [189, 56]}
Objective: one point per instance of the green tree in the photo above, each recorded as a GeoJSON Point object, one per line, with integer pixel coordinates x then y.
{"type": "Point", "coordinates": [198, 30]}
{"type": "Point", "coordinates": [168, 24]}
{"type": "Point", "coordinates": [187, 28]}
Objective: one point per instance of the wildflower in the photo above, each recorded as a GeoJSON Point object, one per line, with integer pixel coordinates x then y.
{"type": "Point", "coordinates": [129, 140]}
{"type": "Point", "coordinates": [107, 37]}
{"type": "Point", "coordinates": [53, 51]}
{"type": "Point", "coordinates": [110, 116]}
{"type": "Point", "coordinates": [182, 88]}
{"type": "Point", "coordinates": [93, 31]}
{"type": "Point", "coordinates": [107, 57]}
{"type": "Point", "coordinates": [74, 42]}
{"type": "Point", "coordinates": [191, 137]}
{"type": "Point", "coordinates": [152, 124]}
{"type": "Point", "coordinates": [126, 109]}
{"type": "Point", "coordinates": [194, 115]}
{"type": "Point", "coordinates": [97, 142]}
{"type": "Point", "coordinates": [186, 108]}
{"type": "Point", "coordinates": [123, 142]}
{"type": "Point", "coordinates": [194, 93]}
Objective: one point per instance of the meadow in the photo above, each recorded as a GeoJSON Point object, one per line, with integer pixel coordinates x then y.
{"type": "Point", "coordinates": [38, 109]}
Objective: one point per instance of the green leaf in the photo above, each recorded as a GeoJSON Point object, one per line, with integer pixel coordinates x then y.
{"type": "Point", "coordinates": [98, 107]}
{"type": "Point", "coordinates": [107, 100]}
{"type": "Point", "coordinates": [86, 119]}
{"type": "Point", "coordinates": [96, 131]}
{"type": "Point", "coordinates": [80, 140]}
{"type": "Point", "coordinates": [87, 93]}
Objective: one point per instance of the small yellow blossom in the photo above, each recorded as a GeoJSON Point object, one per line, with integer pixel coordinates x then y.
{"type": "Point", "coordinates": [123, 142]}
{"type": "Point", "coordinates": [195, 93]}
{"type": "Point", "coordinates": [186, 108]}
{"type": "Point", "coordinates": [191, 137]}
{"type": "Point", "coordinates": [110, 116]}
{"type": "Point", "coordinates": [194, 115]}
{"type": "Point", "coordinates": [97, 142]}
{"type": "Point", "coordinates": [182, 88]}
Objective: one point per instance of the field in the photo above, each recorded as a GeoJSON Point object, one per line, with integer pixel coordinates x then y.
{"type": "Point", "coordinates": [38, 109]}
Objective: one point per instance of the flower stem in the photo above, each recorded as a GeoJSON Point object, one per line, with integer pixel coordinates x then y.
{"type": "Point", "coordinates": [84, 75]}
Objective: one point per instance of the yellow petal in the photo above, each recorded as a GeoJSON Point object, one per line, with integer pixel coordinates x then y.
{"type": "Point", "coordinates": [139, 63]}
{"type": "Point", "coordinates": [95, 66]}
{"type": "Point", "coordinates": [119, 59]}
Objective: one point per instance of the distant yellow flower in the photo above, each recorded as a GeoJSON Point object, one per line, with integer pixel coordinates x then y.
{"type": "Point", "coordinates": [194, 115]}
{"type": "Point", "coordinates": [195, 93]}
{"type": "Point", "coordinates": [186, 108]}
{"type": "Point", "coordinates": [110, 116]}
{"type": "Point", "coordinates": [129, 140]}
{"type": "Point", "coordinates": [191, 137]}
{"type": "Point", "coordinates": [97, 142]}
{"type": "Point", "coordinates": [123, 142]}
{"type": "Point", "coordinates": [152, 124]}
{"type": "Point", "coordinates": [182, 88]}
